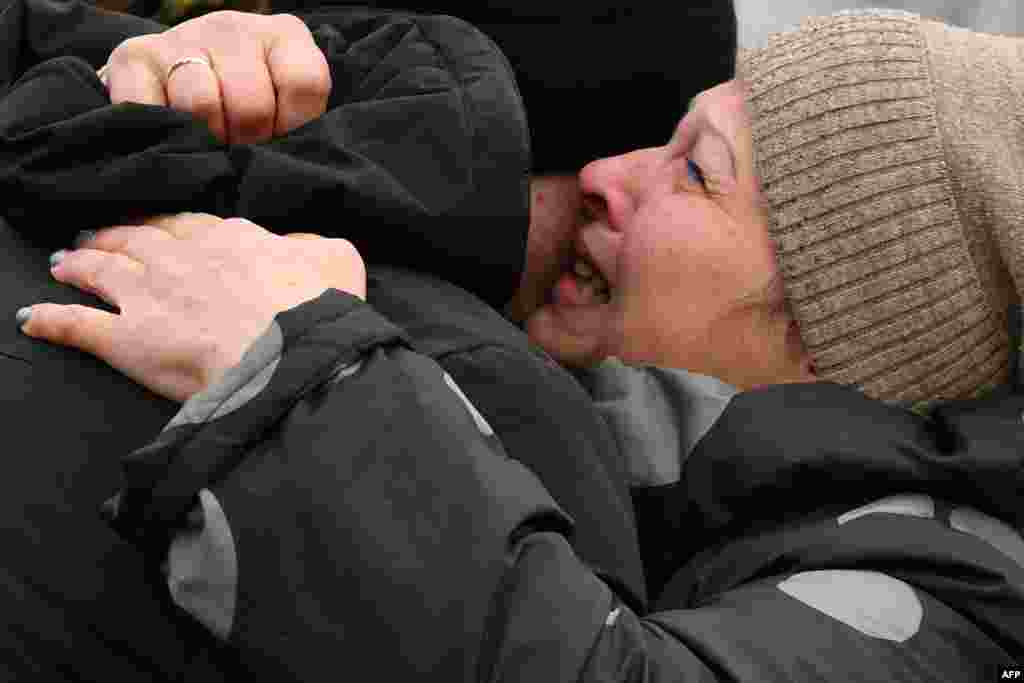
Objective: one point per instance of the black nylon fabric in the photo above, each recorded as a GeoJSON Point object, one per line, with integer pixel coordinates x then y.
{"type": "Point", "coordinates": [465, 564]}
{"type": "Point", "coordinates": [829, 448]}
{"type": "Point", "coordinates": [448, 194]}
{"type": "Point", "coordinates": [467, 555]}
{"type": "Point", "coordinates": [80, 602]}
{"type": "Point", "coordinates": [597, 78]}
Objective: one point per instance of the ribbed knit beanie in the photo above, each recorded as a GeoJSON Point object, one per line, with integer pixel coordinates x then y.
{"type": "Point", "coordinates": [891, 155]}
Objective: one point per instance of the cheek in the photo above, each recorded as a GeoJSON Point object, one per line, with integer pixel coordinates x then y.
{"type": "Point", "coordinates": [687, 267]}
{"type": "Point", "coordinates": [667, 271]}
{"type": "Point", "coordinates": [682, 252]}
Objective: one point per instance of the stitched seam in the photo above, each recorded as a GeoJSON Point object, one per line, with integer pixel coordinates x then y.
{"type": "Point", "coordinates": [457, 74]}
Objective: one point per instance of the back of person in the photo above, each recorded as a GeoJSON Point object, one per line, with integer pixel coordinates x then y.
{"type": "Point", "coordinates": [85, 593]}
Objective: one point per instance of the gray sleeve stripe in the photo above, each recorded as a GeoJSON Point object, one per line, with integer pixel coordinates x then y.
{"type": "Point", "coordinates": [239, 384]}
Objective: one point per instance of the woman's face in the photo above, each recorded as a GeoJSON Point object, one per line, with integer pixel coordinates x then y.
{"type": "Point", "coordinates": [685, 254]}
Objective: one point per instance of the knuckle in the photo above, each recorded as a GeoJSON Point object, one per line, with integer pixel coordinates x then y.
{"type": "Point", "coordinates": [230, 228]}
{"type": "Point", "coordinates": [225, 18]}
{"type": "Point", "coordinates": [204, 104]}
{"type": "Point", "coordinates": [314, 83]}
{"type": "Point", "coordinates": [131, 50]}
{"type": "Point", "coordinates": [222, 27]}
{"type": "Point", "coordinates": [198, 215]}
{"type": "Point", "coordinates": [133, 46]}
{"type": "Point", "coordinates": [252, 114]}
{"type": "Point", "coordinates": [350, 251]}
{"type": "Point", "coordinates": [289, 21]}
{"type": "Point", "coordinates": [320, 78]}
{"type": "Point", "coordinates": [92, 273]}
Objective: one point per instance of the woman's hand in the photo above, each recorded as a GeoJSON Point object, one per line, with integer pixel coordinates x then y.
{"type": "Point", "coordinates": [194, 292]}
{"type": "Point", "coordinates": [267, 75]}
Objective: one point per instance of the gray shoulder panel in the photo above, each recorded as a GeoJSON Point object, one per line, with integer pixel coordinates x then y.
{"type": "Point", "coordinates": [658, 414]}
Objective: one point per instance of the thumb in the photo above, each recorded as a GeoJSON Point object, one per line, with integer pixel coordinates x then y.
{"type": "Point", "coordinates": [82, 327]}
{"type": "Point", "coordinates": [572, 335]}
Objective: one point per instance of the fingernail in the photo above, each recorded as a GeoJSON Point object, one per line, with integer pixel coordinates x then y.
{"type": "Point", "coordinates": [23, 315]}
{"type": "Point", "coordinates": [104, 76]}
{"type": "Point", "coordinates": [692, 104]}
{"type": "Point", "coordinates": [83, 237]}
{"type": "Point", "coordinates": [57, 256]}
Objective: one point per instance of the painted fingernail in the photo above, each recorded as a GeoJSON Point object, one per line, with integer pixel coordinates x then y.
{"type": "Point", "coordinates": [57, 256]}
{"type": "Point", "coordinates": [83, 237]}
{"type": "Point", "coordinates": [23, 315]}
{"type": "Point", "coordinates": [693, 103]}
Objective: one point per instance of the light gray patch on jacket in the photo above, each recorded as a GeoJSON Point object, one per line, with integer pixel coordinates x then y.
{"type": "Point", "coordinates": [241, 383]}
{"type": "Point", "coordinates": [873, 603]}
{"type": "Point", "coordinates": [910, 505]}
{"type": "Point", "coordinates": [658, 414]}
{"type": "Point", "coordinates": [996, 533]}
{"type": "Point", "coordinates": [202, 569]}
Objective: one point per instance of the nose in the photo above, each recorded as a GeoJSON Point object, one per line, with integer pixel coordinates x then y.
{"type": "Point", "coordinates": [613, 187]}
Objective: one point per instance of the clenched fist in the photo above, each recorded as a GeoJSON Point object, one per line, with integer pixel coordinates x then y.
{"type": "Point", "coordinates": [266, 77]}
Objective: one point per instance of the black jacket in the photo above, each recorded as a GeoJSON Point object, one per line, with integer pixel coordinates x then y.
{"type": "Point", "coordinates": [598, 78]}
{"type": "Point", "coordinates": [409, 477]}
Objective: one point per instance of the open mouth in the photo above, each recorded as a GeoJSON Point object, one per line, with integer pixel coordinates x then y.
{"type": "Point", "coordinates": [582, 285]}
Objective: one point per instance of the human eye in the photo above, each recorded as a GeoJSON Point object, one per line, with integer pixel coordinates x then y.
{"type": "Point", "coordinates": [695, 173]}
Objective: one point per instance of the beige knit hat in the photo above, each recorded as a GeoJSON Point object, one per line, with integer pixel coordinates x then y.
{"type": "Point", "coordinates": [891, 154]}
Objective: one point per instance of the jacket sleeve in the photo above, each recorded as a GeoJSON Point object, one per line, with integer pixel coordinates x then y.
{"type": "Point", "coordinates": [336, 496]}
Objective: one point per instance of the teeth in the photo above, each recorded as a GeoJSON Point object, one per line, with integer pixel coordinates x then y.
{"type": "Point", "coordinates": [591, 282]}
{"type": "Point", "coordinates": [583, 269]}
